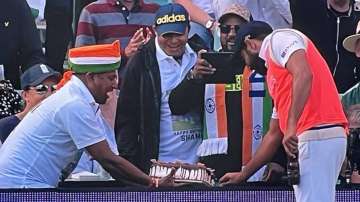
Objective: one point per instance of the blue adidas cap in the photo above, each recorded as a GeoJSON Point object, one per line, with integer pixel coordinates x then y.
{"type": "Point", "coordinates": [171, 18]}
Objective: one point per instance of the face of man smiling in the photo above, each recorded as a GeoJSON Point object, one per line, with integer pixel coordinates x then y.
{"type": "Point", "coordinates": [228, 29]}
{"type": "Point", "coordinates": [173, 44]}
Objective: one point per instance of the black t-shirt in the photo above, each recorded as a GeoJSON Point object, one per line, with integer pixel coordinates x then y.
{"type": "Point", "coordinates": [7, 125]}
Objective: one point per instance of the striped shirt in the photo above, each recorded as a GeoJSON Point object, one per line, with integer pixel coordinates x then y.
{"type": "Point", "coordinates": [105, 21]}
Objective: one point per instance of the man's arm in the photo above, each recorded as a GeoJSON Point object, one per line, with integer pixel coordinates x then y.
{"type": "Point", "coordinates": [263, 154]}
{"type": "Point", "coordinates": [189, 94]}
{"type": "Point", "coordinates": [127, 120]}
{"type": "Point", "coordinates": [121, 169]}
{"type": "Point", "coordinates": [117, 166]}
{"type": "Point", "coordinates": [302, 77]}
{"type": "Point", "coordinates": [196, 13]}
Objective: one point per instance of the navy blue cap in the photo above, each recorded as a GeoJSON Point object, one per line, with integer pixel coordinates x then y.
{"type": "Point", "coordinates": [251, 30]}
{"type": "Point", "coordinates": [171, 18]}
{"type": "Point", "coordinates": [36, 74]}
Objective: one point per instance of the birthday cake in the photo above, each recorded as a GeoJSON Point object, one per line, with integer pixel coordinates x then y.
{"type": "Point", "coordinates": [185, 173]}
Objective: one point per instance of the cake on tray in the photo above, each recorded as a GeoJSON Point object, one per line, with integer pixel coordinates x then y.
{"type": "Point", "coordinates": [185, 173]}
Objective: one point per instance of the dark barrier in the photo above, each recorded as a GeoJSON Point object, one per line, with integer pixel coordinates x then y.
{"type": "Point", "coordinates": [107, 194]}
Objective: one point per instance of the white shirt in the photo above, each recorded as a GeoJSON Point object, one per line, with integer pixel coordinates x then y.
{"type": "Point", "coordinates": [205, 5]}
{"type": "Point", "coordinates": [49, 138]}
{"type": "Point", "coordinates": [86, 163]}
{"type": "Point", "coordinates": [283, 43]}
{"type": "Point", "coordinates": [180, 136]}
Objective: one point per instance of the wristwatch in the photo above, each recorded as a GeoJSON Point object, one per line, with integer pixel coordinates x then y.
{"type": "Point", "coordinates": [209, 24]}
{"type": "Point", "coordinates": [190, 75]}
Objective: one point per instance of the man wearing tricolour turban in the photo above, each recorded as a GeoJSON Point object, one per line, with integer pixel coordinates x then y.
{"type": "Point", "coordinates": [45, 147]}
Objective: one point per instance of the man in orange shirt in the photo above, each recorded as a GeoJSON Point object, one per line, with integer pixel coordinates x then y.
{"type": "Point", "coordinates": [307, 109]}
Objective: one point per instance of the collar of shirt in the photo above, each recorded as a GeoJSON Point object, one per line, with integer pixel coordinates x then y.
{"type": "Point", "coordinates": [161, 55]}
{"type": "Point", "coordinates": [264, 46]}
{"type": "Point", "coordinates": [84, 91]}
{"type": "Point", "coordinates": [138, 4]}
{"type": "Point", "coordinates": [171, 71]}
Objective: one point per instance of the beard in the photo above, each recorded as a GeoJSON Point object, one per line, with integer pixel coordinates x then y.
{"type": "Point", "coordinates": [258, 64]}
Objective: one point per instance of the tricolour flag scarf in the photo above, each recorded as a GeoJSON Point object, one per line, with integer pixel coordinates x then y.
{"type": "Point", "coordinates": [215, 121]}
{"type": "Point", "coordinates": [215, 132]}
{"type": "Point", "coordinates": [257, 109]}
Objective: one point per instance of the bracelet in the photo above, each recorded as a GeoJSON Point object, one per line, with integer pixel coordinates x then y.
{"type": "Point", "coordinates": [154, 182]}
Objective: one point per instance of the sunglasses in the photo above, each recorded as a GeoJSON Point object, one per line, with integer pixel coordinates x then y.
{"type": "Point", "coordinates": [225, 29]}
{"type": "Point", "coordinates": [42, 89]}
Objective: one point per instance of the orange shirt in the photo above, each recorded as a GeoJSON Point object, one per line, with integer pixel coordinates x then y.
{"type": "Point", "coordinates": [323, 105]}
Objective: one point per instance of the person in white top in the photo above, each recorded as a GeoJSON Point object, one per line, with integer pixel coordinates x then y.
{"type": "Point", "coordinates": [87, 163]}
{"type": "Point", "coordinates": [47, 144]}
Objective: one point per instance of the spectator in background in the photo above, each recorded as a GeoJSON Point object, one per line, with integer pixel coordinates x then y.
{"type": "Point", "coordinates": [327, 23]}
{"type": "Point", "coordinates": [38, 82]}
{"type": "Point", "coordinates": [352, 42]}
{"type": "Point", "coordinates": [145, 127]}
{"type": "Point", "coordinates": [105, 21]}
{"type": "Point", "coordinates": [79, 5]}
{"type": "Point", "coordinates": [59, 32]}
{"type": "Point", "coordinates": [275, 12]}
{"type": "Point", "coordinates": [351, 103]}
{"type": "Point", "coordinates": [10, 100]}
{"type": "Point", "coordinates": [202, 18]}
{"type": "Point", "coordinates": [351, 98]}
{"type": "Point", "coordinates": [19, 40]}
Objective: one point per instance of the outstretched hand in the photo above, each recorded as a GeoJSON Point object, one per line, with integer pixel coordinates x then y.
{"type": "Point", "coordinates": [168, 181]}
{"type": "Point", "coordinates": [232, 178]}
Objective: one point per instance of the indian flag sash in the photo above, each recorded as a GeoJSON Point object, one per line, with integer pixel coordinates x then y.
{"type": "Point", "coordinates": [215, 132]}
{"type": "Point", "coordinates": [215, 121]}
{"type": "Point", "coordinates": [256, 108]}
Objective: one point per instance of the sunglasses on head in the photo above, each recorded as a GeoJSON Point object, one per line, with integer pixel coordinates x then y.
{"type": "Point", "coordinates": [41, 88]}
{"type": "Point", "coordinates": [225, 29]}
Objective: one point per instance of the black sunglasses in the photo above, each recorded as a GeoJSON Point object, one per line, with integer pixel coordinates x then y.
{"type": "Point", "coordinates": [41, 88]}
{"type": "Point", "coordinates": [225, 29]}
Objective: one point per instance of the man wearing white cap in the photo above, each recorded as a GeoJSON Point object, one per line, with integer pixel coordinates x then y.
{"type": "Point", "coordinates": [351, 103]}
{"type": "Point", "coordinates": [352, 43]}
{"type": "Point", "coordinates": [47, 144]}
